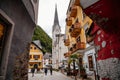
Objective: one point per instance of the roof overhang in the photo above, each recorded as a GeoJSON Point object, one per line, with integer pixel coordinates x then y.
{"type": "Point", "coordinates": [87, 3]}
{"type": "Point", "coordinates": [35, 60]}
{"type": "Point", "coordinates": [85, 50]}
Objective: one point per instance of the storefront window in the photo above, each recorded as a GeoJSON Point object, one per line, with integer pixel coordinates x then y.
{"type": "Point", "coordinates": [2, 39]}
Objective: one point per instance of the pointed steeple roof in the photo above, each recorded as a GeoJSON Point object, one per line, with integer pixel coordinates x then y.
{"type": "Point", "coordinates": [56, 16]}
{"type": "Point", "coordinates": [56, 20]}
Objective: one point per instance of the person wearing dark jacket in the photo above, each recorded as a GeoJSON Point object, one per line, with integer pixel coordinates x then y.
{"type": "Point", "coordinates": [33, 70]}
{"type": "Point", "coordinates": [51, 70]}
{"type": "Point", "coordinates": [46, 71]}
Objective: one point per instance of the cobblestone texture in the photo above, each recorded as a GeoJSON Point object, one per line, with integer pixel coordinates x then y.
{"type": "Point", "coordinates": [55, 76]}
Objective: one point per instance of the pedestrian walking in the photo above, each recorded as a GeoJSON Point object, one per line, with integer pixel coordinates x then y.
{"type": "Point", "coordinates": [46, 71]}
{"type": "Point", "coordinates": [51, 70]}
{"type": "Point", "coordinates": [33, 71]}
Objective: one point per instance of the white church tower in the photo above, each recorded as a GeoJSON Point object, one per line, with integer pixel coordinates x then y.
{"type": "Point", "coordinates": [58, 48]}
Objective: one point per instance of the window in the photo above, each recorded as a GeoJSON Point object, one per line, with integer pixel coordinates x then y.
{"type": "Point", "coordinates": [40, 63]}
{"type": "Point", "coordinates": [78, 39]}
{"type": "Point", "coordinates": [34, 48]}
{"type": "Point", "coordinates": [72, 26]}
{"type": "Point", "coordinates": [84, 15]}
{"type": "Point", "coordinates": [71, 49]}
{"type": "Point", "coordinates": [2, 38]}
{"type": "Point", "coordinates": [70, 30]}
{"type": "Point", "coordinates": [77, 20]}
{"type": "Point", "coordinates": [74, 45]}
{"type": "Point", "coordinates": [31, 64]}
{"type": "Point", "coordinates": [6, 34]}
{"type": "Point", "coordinates": [30, 56]}
{"type": "Point", "coordinates": [90, 60]}
{"type": "Point", "coordinates": [36, 57]}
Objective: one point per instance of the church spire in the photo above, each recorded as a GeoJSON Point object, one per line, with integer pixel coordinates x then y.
{"type": "Point", "coordinates": [56, 21]}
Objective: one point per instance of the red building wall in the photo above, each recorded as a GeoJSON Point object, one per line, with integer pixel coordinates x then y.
{"type": "Point", "coordinates": [106, 17]}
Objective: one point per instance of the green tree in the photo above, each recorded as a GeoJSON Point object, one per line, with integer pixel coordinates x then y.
{"type": "Point", "coordinates": [46, 41]}
{"type": "Point", "coordinates": [75, 58]}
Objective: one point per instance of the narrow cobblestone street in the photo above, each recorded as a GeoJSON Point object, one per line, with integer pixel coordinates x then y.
{"type": "Point", "coordinates": [55, 76]}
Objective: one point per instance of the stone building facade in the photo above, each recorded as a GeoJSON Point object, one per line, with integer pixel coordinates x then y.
{"type": "Point", "coordinates": [17, 22]}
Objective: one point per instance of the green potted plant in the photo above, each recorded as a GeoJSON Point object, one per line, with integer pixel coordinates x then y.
{"type": "Point", "coordinates": [83, 72]}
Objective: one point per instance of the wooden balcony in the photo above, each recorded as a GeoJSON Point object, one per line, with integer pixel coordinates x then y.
{"type": "Point", "coordinates": [67, 42]}
{"type": "Point", "coordinates": [69, 21]}
{"type": "Point", "coordinates": [67, 54]}
{"type": "Point", "coordinates": [74, 47]}
{"type": "Point", "coordinates": [75, 30]}
{"type": "Point", "coordinates": [77, 2]}
{"type": "Point", "coordinates": [73, 11]}
{"type": "Point", "coordinates": [80, 45]}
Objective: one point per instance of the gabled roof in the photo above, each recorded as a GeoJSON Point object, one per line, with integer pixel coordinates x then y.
{"type": "Point", "coordinates": [87, 3]}
{"type": "Point", "coordinates": [37, 44]}
{"type": "Point", "coordinates": [83, 3]}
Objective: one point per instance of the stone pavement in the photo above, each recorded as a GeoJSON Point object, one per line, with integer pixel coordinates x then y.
{"type": "Point", "coordinates": [55, 76]}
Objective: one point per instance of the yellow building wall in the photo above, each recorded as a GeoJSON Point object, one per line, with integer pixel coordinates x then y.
{"type": "Point", "coordinates": [83, 20]}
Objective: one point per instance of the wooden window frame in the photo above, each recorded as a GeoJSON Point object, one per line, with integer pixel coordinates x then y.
{"type": "Point", "coordinates": [90, 62]}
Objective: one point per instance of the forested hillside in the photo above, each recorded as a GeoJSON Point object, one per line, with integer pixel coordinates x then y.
{"type": "Point", "coordinates": [46, 41]}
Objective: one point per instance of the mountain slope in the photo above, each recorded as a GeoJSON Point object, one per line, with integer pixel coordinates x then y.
{"type": "Point", "coordinates": [46, 41]}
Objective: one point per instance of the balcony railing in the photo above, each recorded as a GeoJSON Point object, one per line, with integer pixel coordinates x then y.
{"type": "Point", "coordinates": [73, 11]}
{"type": "Point", "coordinates": [74, 47]}
{"type": "Point", "coordinates": [69, 21]}
{"type": "Point", "coordinates": [67, 54]}
{"type": "Point", "coordinates": [77, 2]}
{"type": "Point", "coordinates": [75, 30]}
{"type": "Point", "coordinates": [67, 42]}
{"type": "Point", "coordinates": [80, 45]}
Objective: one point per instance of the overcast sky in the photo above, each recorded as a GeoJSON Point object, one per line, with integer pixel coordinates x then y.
{"type": "Point", "coordinates": [46, 14]}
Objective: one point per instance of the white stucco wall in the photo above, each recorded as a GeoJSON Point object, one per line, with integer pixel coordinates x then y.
{"type": "Point", "coordinates": [90, 52]}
